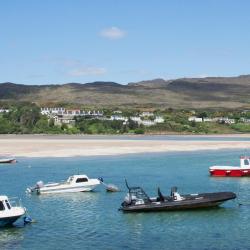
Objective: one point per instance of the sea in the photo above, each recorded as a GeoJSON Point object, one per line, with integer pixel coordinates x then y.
{"type": "Point", "coordinates": [92, 220]}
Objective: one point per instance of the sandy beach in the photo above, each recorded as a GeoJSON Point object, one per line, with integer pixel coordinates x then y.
{"type": "Point", "coordinates": [63, 146]}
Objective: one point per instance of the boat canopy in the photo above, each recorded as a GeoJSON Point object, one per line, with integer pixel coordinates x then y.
{"type": "Point", "coordinates": [78, 178]}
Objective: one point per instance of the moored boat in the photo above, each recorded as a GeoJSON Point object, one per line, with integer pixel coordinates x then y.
{"type": "Point", "coordinates": [138, 201]}
{"type": "Point", "coordinates": [75, 183]}
{"type": "Point", "coordinates": [7, 160]}
{"type": "Point", "coordinates": [232, 171]}
{"type": "Point", "coordinates": [10, 210]}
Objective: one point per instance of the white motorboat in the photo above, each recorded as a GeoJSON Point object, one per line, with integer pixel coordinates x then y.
{"type": "Point", "coordinates": [10, 210]}
{"type": "Point", "coordinates": [7, 160]}
{"type": "Point", "coordinates": [75, 183]}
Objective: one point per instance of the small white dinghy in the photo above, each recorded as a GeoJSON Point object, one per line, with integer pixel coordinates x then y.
{"type": "Point", "coordinates": [109, 187]}
{"type": "Point", "coordinates": [10, 210]}
{"type": "Point", "coordinates": [75, 183]}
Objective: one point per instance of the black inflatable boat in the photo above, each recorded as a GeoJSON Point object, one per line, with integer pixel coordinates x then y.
{"type": "Point", "coordinates": [138, 201]}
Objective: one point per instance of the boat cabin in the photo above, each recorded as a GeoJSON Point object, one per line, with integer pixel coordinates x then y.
{"type": "Point", "coordinates": [244, 162]}
{"type": "Point", "coordinates": [4, 203]}
{"type": "Point", "coordinates": [77, 179]}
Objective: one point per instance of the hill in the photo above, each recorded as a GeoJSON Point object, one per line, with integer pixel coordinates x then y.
{"type": "Point", "coordinates": [210, 92]}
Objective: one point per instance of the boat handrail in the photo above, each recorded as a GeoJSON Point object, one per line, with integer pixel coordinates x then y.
{"type": "Point", "coordinates": [15, 201]}
{"type": "Point", "coordinates": [244, 157]}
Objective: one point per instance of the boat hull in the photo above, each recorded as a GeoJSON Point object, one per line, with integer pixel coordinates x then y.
{"type": "Point", "coordinates": [50, 190]}
{"type": "Point", "coordinates": [205, 200]}
{"type": "Point", "coordinates": [2, 161]}
{"type": "Point", "coordinates": [8, 220]}
{"type": "Point", "coordinates": [229, 172]}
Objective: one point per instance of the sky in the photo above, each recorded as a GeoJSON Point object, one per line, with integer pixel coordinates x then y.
{"type": "Point", "coordinates": [62, 41]}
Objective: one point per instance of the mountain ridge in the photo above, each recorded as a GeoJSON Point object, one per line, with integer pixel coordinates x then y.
{"type": "Point", "coordinates": [207, 92]}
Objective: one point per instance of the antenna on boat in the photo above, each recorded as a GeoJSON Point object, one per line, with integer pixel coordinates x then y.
{"type": "Point", "coordinates": [127, 184]}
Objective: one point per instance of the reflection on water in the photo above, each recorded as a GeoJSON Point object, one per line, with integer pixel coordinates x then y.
{"type": "Point", "coordinates": [91, 220]}
{"type": "Point", "coordinates": [11, 237]}
{"type": "Point", "coordinates": [68, 197]}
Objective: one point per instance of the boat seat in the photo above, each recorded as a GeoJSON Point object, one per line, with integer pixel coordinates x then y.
{"type": "Point", "coordinates": [160, 195]}
{"type": "Point", "coordinates": [173, 190]}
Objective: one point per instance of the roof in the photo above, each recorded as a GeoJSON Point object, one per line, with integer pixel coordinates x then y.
{"type": "Point", "coordinates": [80, 176]}
{"type": "Point", "coordinates": [3, 197]}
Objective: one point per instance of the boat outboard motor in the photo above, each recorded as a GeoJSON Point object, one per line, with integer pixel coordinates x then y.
{"type": "Point", "coordinates": [39, 184]}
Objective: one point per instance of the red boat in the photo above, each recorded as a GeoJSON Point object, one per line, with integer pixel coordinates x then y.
{"type": "Point", "coordinates": [232, 171]}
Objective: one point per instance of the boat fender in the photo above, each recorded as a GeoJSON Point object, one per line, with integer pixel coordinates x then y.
{"type": "Point", "coordinates": [39, 184]}
{"type": "Point", "coordinates": [27, 220]}
{"type": "Point", "coordinates": [100, 179]}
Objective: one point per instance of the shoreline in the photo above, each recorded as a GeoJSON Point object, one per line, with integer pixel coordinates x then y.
{"type": "Point", "coordinates": [47, 146]}
{"type": "Point", "coordinates": [135, 136]}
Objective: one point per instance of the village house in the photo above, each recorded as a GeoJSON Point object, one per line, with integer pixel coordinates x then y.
{"type": "Point", "coordinates": [147, 123]}
{"type": "Point", "coordinates": [2, 110]}
{"type": "Point", "coordinates": [135, 119]}
{"type": "Point", "coordinates": [194, 119]}
{"type": "Point", "coordinates": [55, 111]}
{"type": "Point", "coordinates": [118, 118]}
{"type": "Point", "coordinates": [159, 119]}
{"type": "Point", "coordinates": [69, 112]}
{"type": "Point", "coordinates": [146, 114]}
{"type": "Point", "coordinates": [244, 120]}
{"type": "Point", "coordinates": [226, 120]}
{"type": "Point", "coordinates": [59, 121]}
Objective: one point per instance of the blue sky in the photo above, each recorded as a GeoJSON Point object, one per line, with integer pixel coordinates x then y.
{"type": "Point", "coordinates": [60, 41]}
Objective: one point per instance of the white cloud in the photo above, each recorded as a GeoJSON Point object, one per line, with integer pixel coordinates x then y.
{"type": "Point", "coordinates": [113, 33]}
{"type": "Point", "coordinates": [87, 71]}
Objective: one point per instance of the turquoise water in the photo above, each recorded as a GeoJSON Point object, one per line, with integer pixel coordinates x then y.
{"type": "Point", "coordinates": [92, 220]}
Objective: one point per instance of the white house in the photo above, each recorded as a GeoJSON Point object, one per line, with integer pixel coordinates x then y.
{"type": "Point", "coordinates": [194, 119]}
{"type": "Point", "coordinates": [244, 120]}
{"type": "Point", "coordinates": [59, 121]}
{"type": "Point", "coordinates": [135, 119]}
{"type": "Point", "coordinates": [118, 118]}
{"type": "Point", "coordinates": [159, 119]}
{"type": "Point", "coordinates": [208, 119]}
{"type": "Point", "coordinates": [55, 111]}
{"type": "Point", "coordinates": [147, 123]}
{"type": "Point", "coordinates": [146, 113]}
{"type": "Point", "coordinates": [226, 120]}
{"type": "Point", "coordinates": [69, 112]}
{"type": "Point", "coordinates": [2, 110]}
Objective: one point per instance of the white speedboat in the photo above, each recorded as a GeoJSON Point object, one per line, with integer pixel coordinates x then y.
{"type": "Point", "coordinates": [10, 210]}
{"type": "Point", "coordinates": [7, 160]}
{"type": "Point", "coordinates": [75, 183]}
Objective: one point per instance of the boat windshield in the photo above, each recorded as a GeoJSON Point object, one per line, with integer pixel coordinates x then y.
{"type": "Point", "coordinates": [71, 178]}
{"type": "Point", "coordinates": [8, 204]}
{"type": "Point", "coordinates": [246, 162]}
{"type": "Point", "coordinates": [139, 194]}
